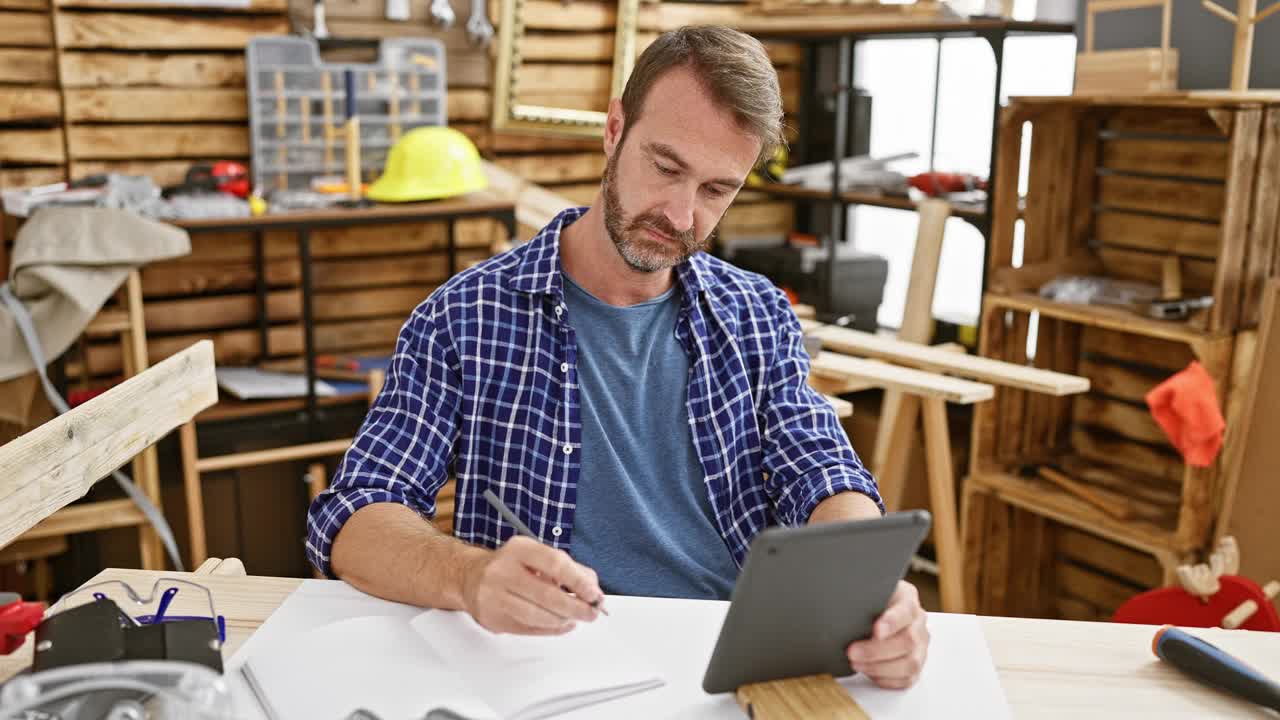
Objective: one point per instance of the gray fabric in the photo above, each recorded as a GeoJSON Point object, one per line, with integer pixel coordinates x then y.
{"type": "Point", "coordinates": [66, 264]}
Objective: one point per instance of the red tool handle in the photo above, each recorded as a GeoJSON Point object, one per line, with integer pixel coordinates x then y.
{"type": "Point", "coordinates": [16, 620]}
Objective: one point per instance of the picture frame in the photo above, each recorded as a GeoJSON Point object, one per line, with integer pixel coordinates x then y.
{"type": "Point", "coordinates": [512, 116]}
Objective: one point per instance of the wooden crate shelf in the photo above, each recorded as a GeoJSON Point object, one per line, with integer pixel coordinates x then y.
{"type": "Point", "coordinates": [1117, 186]}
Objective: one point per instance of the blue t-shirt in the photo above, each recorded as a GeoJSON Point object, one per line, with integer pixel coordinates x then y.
{"type": "Point", "coordinates": [643, 521]}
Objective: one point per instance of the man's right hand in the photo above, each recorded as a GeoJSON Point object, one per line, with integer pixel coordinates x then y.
{"type": "Point", "coordinates": [517, 589]}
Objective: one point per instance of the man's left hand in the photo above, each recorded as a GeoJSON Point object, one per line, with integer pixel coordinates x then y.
{"type": "Point", "coordinates": [895, 653]}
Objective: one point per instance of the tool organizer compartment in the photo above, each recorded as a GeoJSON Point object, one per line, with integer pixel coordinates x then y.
{"type": "Point", "coordinates": [1173, 190]}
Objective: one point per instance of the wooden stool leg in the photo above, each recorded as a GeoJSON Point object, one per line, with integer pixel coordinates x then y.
{"type": "Point", "coordinates": [195, 495]}
{"type": "Point", "coordinates": [942, 497]}
{"type": "Point", "coordinates": [812, 696]}
{"type": "Point", "coordinates": [890, 464]}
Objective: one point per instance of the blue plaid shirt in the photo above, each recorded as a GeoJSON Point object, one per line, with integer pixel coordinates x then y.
{"type": "Point", "coordinates": [483, 385]}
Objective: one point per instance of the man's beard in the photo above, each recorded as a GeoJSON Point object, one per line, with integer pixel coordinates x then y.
{"type": "Point", "coordinates": [638, 249]}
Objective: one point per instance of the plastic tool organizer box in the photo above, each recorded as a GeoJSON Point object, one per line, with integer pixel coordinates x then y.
{"type": "Point", "coordinates": [297, 106]}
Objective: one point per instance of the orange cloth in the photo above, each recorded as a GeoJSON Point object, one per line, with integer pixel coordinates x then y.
{"type": "Point", "coordinates": [1186, 407]}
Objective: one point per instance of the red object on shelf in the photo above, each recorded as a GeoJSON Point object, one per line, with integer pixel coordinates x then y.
{"type": "Point", "coordinates": [1175, 606]}
{"type": "Point", "coordinates": [16, 620]}
{"type": "Point", "coordinates": [80, 397]}
{"type": "Point", "coordinates": [934, 184]}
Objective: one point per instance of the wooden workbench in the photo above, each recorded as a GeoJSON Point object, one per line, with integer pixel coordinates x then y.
{"type": "Point", "coordinates": [1049, 668]}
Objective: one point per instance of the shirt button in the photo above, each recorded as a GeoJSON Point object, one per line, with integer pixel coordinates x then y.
{"type": "Point", "coordinates": [556, 531]}
{"type": "Point", "coordinates": [559, 311]}
{"type": "Point", "coordinates": [564, 367]}
{"type": "Point", "coordinates": [568, 449]}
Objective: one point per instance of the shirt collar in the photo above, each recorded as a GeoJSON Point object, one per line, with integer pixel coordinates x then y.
{"type": "Point", "coordinates": [539, 270]}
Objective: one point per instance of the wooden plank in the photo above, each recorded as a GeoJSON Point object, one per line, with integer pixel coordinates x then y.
{"type": "Point", "coordinates": [580, 47]}
{"type": "Point", "coordinates": [24, 550]}
{"type": "Point", "coordinates": [253, 6]}
{"type": "Point", "coordinates": [103, 515]}
{"type": "Point", "coordinates": [1138, 349]}
{"type": "Point", "coordinates": [156, 104]}
{"type": "Point", "coordinates": [1045, 189]}
{"type": "Point", "coordinates": [925, 384]}
{"type": "Point", "coordinates": [769, 218]}
{"type": "Point", "coordinates": [1197, 274]}
{"type": "Point", "coordinates": [163, 172]}
{"type": "Point", "coordinates": [36, 147]}
{"type": "Point", "coordinates": [352, 335]}
{"type": "Point", "coordinates": [397, 302]}
{"type": "Point", "coordinates": [31, 176]}
{"type": "Point", "coordinates": [230, 347]}
{"type": "Point", "coordinates": [1168, 197]}
{"type": "Point", "coordinates": [550, 15]}
{"type": "Point", "coordinates": [1128, 455]}
{"type": "Point", "coordinates": [133, 31]}
{"type": "Point", "coordinates": [28, 67]}
{"type": "Point", "coordinates": [113, 69]}
{"type": "Point", "coordinates": [1264, 228]}
{"type": "Point", "coordinates": [1118, 381]}
{"type": "Point", "coordinates": [128, 142]}
{"type": "Point", "coordinates": [1148, 232]}
{"type": "Point", "coordinates": [1119, 418]}
{"type": "Point", "coordinates": [1005, 193]}
{"type": "Point", "coordinates": [24, 4]}
{"type": "Point", "coordinates": [223, 311]}
{"type": "Point", "coordinates": [1070, 608]}
{"type": "Point", "coordinates": [1094, 588]}
{"type": "Point", "coordinates": [553, 169]}
{"type": "Point", "coordinates": [1127, 72]}
{"type": "Point", "coordinates": [1181, 158]}
{"type": "Point", "coordinates": [181, 278]}
{"type": "Point", "coordinates": [326, 243]}
{"type": "Point", "coordinates": [1103, 316]}
{"type": "Point", "coordinates": [1248, 501]}
{"type": "Point", "coordinates": [1241, 173]}
{"type": "Point", "coordinates": [468, 104]}
{"type": "Point", "coordinates": [503, 142]}
{"type": "Point", "coordinates": [24, 29]}
{"type": "Point", "coordinates": [421, 271]}
{"type": "Point", "coordinates": [59, 461]}
{"type": "Point", "coordinates": [29, 104]}
{"type": "Point", "coordinates": [1163, 121]}
{"type": "Point", "coordinates": [856, 342]}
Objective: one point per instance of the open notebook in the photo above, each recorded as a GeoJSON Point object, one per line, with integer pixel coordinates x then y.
{"type": "Point", "coordinates": [441, 659]}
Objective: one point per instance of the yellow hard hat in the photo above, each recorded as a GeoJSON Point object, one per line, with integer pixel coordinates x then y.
{"type": "Point", "coordinates": [429, 163]}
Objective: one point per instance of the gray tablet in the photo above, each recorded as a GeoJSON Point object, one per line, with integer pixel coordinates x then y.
{"type": "Point", "coordinates": [806, 593]}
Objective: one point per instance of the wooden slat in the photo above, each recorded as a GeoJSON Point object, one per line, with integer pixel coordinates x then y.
{"type": "Point", "coordinates": [1197, 274]}
{"type": "Point", "coordinates": [25, 549]}
{"type": "Point", "coordinates": [884, 375]}
{"type": "Point", "coordinates": [1168, 197]}
{"type": "Point", "coordinates": [353, 335]}
{"type": "Point", "coordinates": [1118, 381]}
{"type": "Point", "coordinates": [550, 15]}
{"type": "Point", "coordinates": [1005, 197]}
{"type": "Point", "coordinates": [32, 146]}
{"type": "Point", "coordinates": [230, 347]}
{"type": "Point", "coordinates": [1129, 455]}
{"type": "Point", "coordinates": [131, 31]}
{"type": "Point", "coordinates": [1094, 588]}
{"type": "Point", "coordinates": [104, 515]}
{"type": "Point", "coordinates": [24, 4]}
{"type": "Point", "coordinates": [553, 169]}
{"type": "Point", "coordinates": [512, 143]}
{"type": "Point", "coordinates": [468, 104]}
{"type": "Point", "coordinates": [1127, 72]}
{"type": "Point", "coordinates": [1264, 228]}
{"type": "Point", "coordinates": [397, 302]}
{"type": "Point", "coordinates": [224, 311]}
{"type": "Point", "coordinates": [855, 342]}
{"type": "Point", "coordinates": [253, 6]}
{"type": "Point", "coordinates": [179, 278]}
{"type": "Point", "coordinates": [28, 177]}
{"type": "Point", "coordinates": [1181, 158]}
{"type": "Point", "coordinates": [1163, 121]}
{"type": "Point", "coordinates": [589, 47]}
{"type": "Point", "coordinates": [767, 218]}
{"type": "Point", "coordinates": [127, 142]}
{"type": "Point", "coordinates": [1070, 608]}
{"type": "Point", "coordinates": [163, 172]}
{"type": "Point", "coordinates": [156, 104]}
{"type": "Point", "coordinates": [1146, 232]}
{"type": "Point", "coordinates": [1119, 418]}
{"type": "Point", "coordinates": [1118, 560]}
{"type": "Point", "coordinates": [111, 69]}
{"type": "Point", "coordinates": [1138, 349]}
{"type": "Point", "coordinates": [24, 29]}
{"type": "Point", "coordinates": [1241, 175]}
{"type": "Point", "coordinates": [29, 104]}
{"type": "Point", "coordinates": [28, 67]}
{"type": "Point", "coordinates": [59, 461]}
{"type": "Point", "coordinates": [421, 270]}
{"type": "Point", "coordinates": [579, 194]}
{"type": "Point", "coordinates": [1103, 316]}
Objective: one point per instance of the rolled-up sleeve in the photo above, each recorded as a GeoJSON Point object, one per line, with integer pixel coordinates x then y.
{"type": "Point", "coordinates": [404, 449]}
{"type": "Point", "coordinates": [807, 454]}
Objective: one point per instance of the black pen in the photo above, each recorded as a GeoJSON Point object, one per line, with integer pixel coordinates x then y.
{"type": "Point", "coordinates": [524, 530]}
